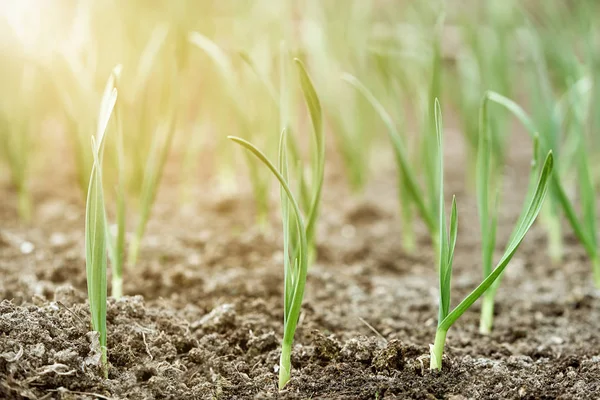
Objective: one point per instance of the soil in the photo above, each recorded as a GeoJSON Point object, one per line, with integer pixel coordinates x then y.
{"type": "Point", "coordinates": [202, 318]}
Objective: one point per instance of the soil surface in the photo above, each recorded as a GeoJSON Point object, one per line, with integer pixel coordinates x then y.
{"type": "Point", "coordinates": [202, 318]}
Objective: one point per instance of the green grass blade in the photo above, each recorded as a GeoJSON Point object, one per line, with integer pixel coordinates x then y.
{"type": "Point", "coordinates": [298, 290]}
{"type": "Point", "coordinates": [515, 109]}
{"type": "Point", "coordinates": [96, 259]}
{"type": "Point", "coordinates": [558, 190]}
{"type": "Point", "coordinates": [288, 261]}
{"type": "Point", "coordinates": [285, 107]}
{"type": "Point", "coordinates": [214, 52]}
{"type": "Point", "coordinates": [444, 269]}
{"type": "Point", "coordinates": [148, 58]}
{"type": "Point", "coordinates": [427, 139]}
{"type": "Point", "coordinates": [96, 229]}
{"type": "Point", "coordinates": [300, 268]}
{"type": "Point", "coordinates": [161, 145]}
{"type": "Point", "coordinates": [400, 152]}
{"type": "Point", "coordinates": [316, 116]}
{"type": "Point", "coordinates": [571, 214]}
{"type": "Point", "coordinates": [453, 233]}
{"type": "Point", "coordinates": [483, 183]}
{"type": "Point", "coordinates": [117, 248]}
{"type": "Point", "coordinates": [265, 82]}
{"type": "Point", "coordinates": [226, 70]}
{"type": "Point", "coordinates": [449, 250]}
{"type": "Point", "coordinates": [586, 185]}
{"type": "Point", "coordinates": [249, 146]}
{"type": "Point", "coordinates": [447, 240]}
{"type": "Point", "coordinates": [532, 212]}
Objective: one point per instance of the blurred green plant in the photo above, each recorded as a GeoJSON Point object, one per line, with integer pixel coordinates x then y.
{"type": "Point", "coordinates": [18, 120]}
{"type": "Point", "coordinates": [298, 229]}
{"type": "Point", "coordinates": [530, 211]}
{"type": "Point", "coordinates": [96, 229]}
{"type": "Point", "coordinates": [408, 182]}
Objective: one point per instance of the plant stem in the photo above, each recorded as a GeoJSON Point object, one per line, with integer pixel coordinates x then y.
{"type": "Point", "coordinates": [285, 363]}
{"type": "Point", "coordinates": [487, 313]}
{"type": "Point", "coordinates": [117, 285]}
{"type": "Point", "coordinates": [134, 248]}
{"type": "Point", "coordinates": [435, 243]}
{"type": "Point", "coordinates": [555, 245]}
{"type": "Point", "coordinates": [436, 350]}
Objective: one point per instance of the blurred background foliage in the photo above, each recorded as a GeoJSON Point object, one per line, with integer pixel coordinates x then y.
{"type": "Point", "coordinates": [55, 56]}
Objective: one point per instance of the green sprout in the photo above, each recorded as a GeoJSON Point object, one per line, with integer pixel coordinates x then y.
{"type": "Point", "coordinates": [584, 227]}
{"type": "Point", "coordinates": [484, 64]}
{"type": "Point", "coordinates": [154, 164]}
{"type": "Point", "coordinates": [137, 115]}
{"type": "Point", "coordinates": [447, 318]}
{"type": "Point", "coordinates": [351, 128]}
{"type": "Point", "coordinates": [15, 139]}
{"type": "Point", "coordinates": [282, 101]}
{"type": "Point", "coordinates": [407, 177]}
{"type": "Point", "coordinates": [229, 78]}
{"type": "Point", "coordinates": [116, 244]}
{"type": "Point", "coordinates": [298, 230]}
{"type": "Point", "coordinates": [486, 183]}
{"type": "Point", "coordinates": [96, 232]}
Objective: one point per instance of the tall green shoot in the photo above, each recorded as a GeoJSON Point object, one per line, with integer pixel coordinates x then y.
{"type": "Point", "coordinates": [298, 229]}
{"type": "Point", "coordinates": [406, 174]}
{"type": "Point", "coordinates": [96, 233]}
{"type": "Point", "coordinates": [227, 74]}
{"type": "Point", "coordinates": [584, 227]}
{"type": "Point", "coordinates": [15, 138]}
{"type": "Point", "coordinates": [488, 216]}
{"type": "Point", "coordinates": [116, 243]}
{"type": "Point", "coordinates": [137, 105]}
{"type": "Point", "coordinates": [156, 157]}
{"type": "Point", "coordinates": [532, 207]}
{"type": "Point", "coordinates": [487, 182]}
{"type": "Point", "coordinates": [153, 171]}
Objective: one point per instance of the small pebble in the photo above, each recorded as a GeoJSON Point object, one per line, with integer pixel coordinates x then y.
{"type": "Point", "coordinates": [58, 239]}
{"type": "Point", "coordinates": [27, 247]}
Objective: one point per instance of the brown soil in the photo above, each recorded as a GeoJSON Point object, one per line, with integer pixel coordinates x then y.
{"type": "Point", "coordinates": [204, 319]}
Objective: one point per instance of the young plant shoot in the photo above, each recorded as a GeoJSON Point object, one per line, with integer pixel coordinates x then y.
{"type": "Point", "coordinates": [157, 158]}
{"type": "Point", "coordinates": [16, 125]}
{"type": "Point", "coordinates": [584, 227]}
{"type": "Point", "coordinates": [96, 232]}
{"type": "Point", "coordinates": [231, 82]}
{"type": "Point", "coordinates": [162, 139]}
{"type": "Point", "coordinates": [116, 243]}
{"type": "Point", "coordinates": [488, 182]}
{"type": "Point", "coordinates": [407, 177]}
{"type": "Point", "coordinates": [446, 318]}
{"type": "Point", "coordinates": [298, 230]}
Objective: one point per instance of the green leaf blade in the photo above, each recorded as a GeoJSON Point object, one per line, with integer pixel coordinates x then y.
{"type": "Point", "coordinates": [316, 115]}
{"type": "Point", "coordinates": [531, 214]}
{"type": "Point", "coordinates": [410, 180]}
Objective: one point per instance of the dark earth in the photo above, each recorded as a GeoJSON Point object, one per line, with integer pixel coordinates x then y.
{"type": "Point", "coordinates": [202, 318]}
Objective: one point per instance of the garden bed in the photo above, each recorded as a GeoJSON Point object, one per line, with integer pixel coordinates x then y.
{"type": "Point", "coordinates": [202, 318]}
